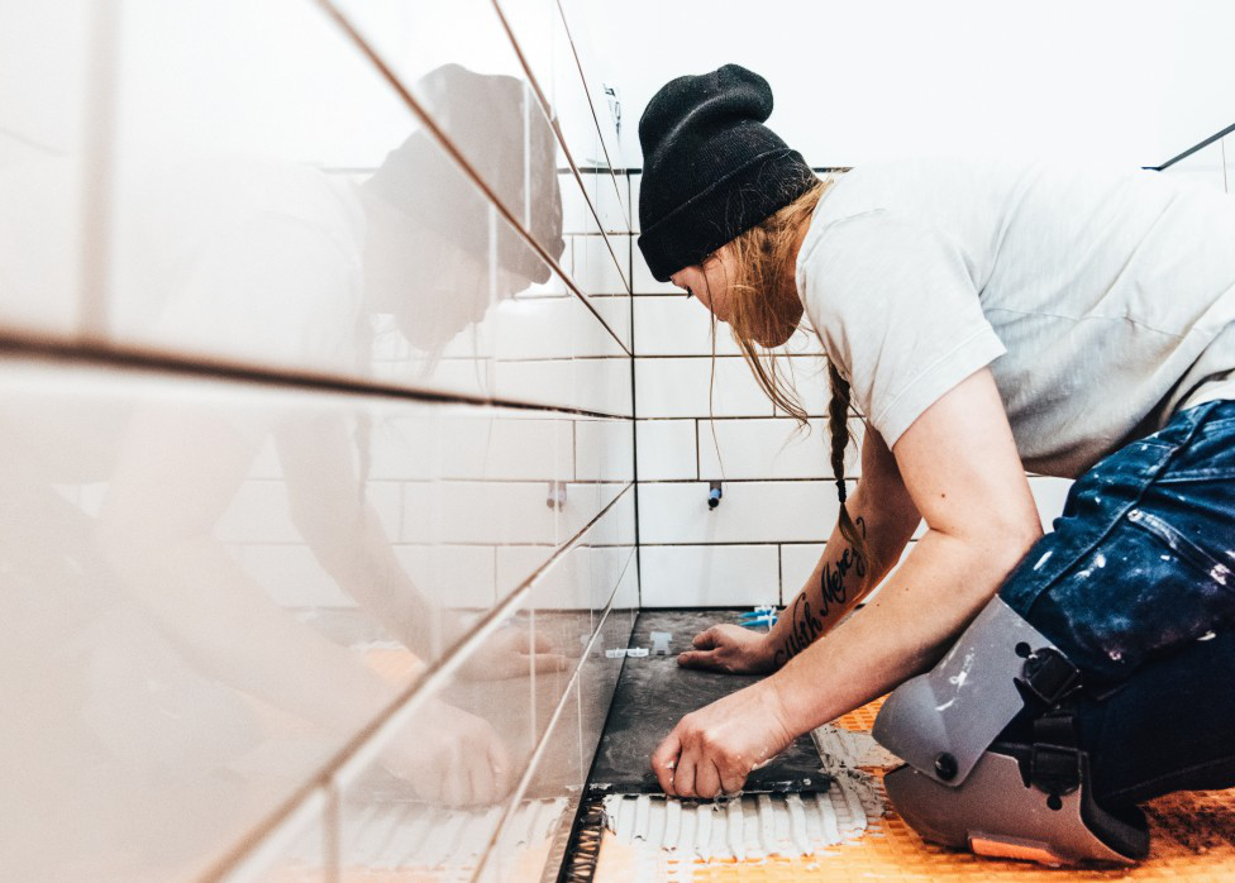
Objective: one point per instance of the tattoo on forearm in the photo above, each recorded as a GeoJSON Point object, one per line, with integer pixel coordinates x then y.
{"type": "Point", "coordinates": [805, 624]}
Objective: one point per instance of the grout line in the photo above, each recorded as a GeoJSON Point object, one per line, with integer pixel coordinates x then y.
{"type": "Point", "coordinates": [700, 356]}
{"type": "Point", "coordinates": [1225, 188]}
{"type": "Point", "coordinates": [410, 699]}
{"type": "Point", "coordinates": [780, 575]}
{"type": "Point", "coordinates": [698, 454]}
{"type": "Point", "coordinates": [634, 426]}
{"type": "Point", "coordinates": [332, 11]}
{"type": "Point", "coordinates": [682, 418]}
{"type": "Point", "coordinates": [824, 479]}
{"type": "Point", "coordinates": [128, 357]}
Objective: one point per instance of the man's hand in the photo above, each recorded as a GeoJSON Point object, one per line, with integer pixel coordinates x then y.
{"type": "Point", "coordinates": [731, 649]}
{"type": "Point", "coordinates": [452, 758]}
{"type": "Point", "coordinates": [711, 751]}
{"type": "Point", "coordinates": [512, 653]}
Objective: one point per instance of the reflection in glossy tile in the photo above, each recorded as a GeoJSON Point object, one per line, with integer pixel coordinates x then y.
{"type": "Point", "coordinates": [44, 157]}
{"type": "Point", "coordinates": [432, 798]}
{"type": "Point", "coordinates": [457, 61]}
{"type": "Point", "coordinates": [432, 802]}
{"type": "Point", "coordinates": [152, 673]}
{"type": "Point", "coordinates": [259, 236]}
{"type": "Point", "coordinates": [158, 549]}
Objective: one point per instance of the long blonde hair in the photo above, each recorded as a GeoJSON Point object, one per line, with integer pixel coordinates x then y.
{"type": "Point", "coordinates": [764, 305]}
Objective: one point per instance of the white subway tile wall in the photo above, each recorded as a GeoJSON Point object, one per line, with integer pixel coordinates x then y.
{"type": "Point", "coordinates": [318, 368]}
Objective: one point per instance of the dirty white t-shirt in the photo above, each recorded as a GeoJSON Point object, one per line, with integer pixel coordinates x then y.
{"type": "Point", "coordinates": [1103, 301]}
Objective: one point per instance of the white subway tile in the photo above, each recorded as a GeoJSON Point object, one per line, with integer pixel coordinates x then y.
{"type": "Point", "coordinates": [536, 329]}
{"type": "Point", "coordinates": [709, 576]}
{"type": "Point", "coordinates": [576, 211]}
{"type": "Point", "coordinates": [501, 444]}
{"type": "Point", "coordinates": [773, 448]}
{"type": "Point", "coordinates": [260, 512]}
{"type": "Point", "coordinates": [292, 576]}
{"type": "Point", "coordinates": [551, 381]}
{"type": "Point", "coordinates": [454, 577]}
{"type": "Point", "coordinates": [749, 512]}
{"type": "Point", "coordinates": [682, 326]}
{"type": "Point", "coordinates": [666, 450]}
{"type": "Point", "coordinates": [44, 221]}
{"type": "Point", "coordinates": [615, 311]}
{"type": "Point", "coordinates": [617, 526]}
{"type": "Point", "coordinates": [797, 563]}
{"type": "Point", "coordinates": [584, 501]}
{"type": "Point", "coordinates": [678, 326]}
{"type": "Point", "coordinates": [480, 512]}
{"type": "Point", "coordinates": [1049, 494]}
{"type": "Point", "coordinates": [636, 183]}
{"type": "Point", "coordinates": [603, 385]}
{"type": "Point", "coordinates": [671, 387]}
{"type": "Point", "coordinates": [604, 450]}
{"type": "Point", "coordinates": [807, 376]}
{"type": "Point", "coordinates": [49, 144]}
{"type": "Point", "coordinates": [598, 264]}
{"type": "Point", "coordinates": [623, 221]}
{"type": "Point", "coordinates": [642, 281]}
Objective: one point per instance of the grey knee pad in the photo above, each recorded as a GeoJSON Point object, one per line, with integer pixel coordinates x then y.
{"type": "Point", "coordinates": [961, 788]}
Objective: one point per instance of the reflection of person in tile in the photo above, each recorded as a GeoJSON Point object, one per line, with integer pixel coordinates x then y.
{"type": "Point", "coordinates": [987, 319]}
{"type": "Point", "coordinates": [255, 259]}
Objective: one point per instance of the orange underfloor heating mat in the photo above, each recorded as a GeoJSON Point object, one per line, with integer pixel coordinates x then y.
{"type": "Point", "coordinates": [1192, 836]}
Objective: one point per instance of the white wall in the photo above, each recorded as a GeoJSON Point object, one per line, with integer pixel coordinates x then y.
{"type": "Point", "coordinates": [1131, 81]}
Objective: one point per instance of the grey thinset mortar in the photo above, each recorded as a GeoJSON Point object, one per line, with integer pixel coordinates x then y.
{"type": "Point", "coordinates": [755, 826]}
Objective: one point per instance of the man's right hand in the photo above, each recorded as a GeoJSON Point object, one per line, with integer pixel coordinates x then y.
{"type": "Point", "coordinates": [731, 649]}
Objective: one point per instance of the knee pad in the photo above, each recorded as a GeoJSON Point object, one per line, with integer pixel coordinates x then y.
{"type": "Point", "coordinates": [962, 788]}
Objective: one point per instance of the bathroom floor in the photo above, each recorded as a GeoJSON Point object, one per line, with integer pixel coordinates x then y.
{"type": "Point", "coordinates": [1193, 833]}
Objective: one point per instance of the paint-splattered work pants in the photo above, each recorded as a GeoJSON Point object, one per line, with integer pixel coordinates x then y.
{"type": "Point", "coordinates": [1137, 586]}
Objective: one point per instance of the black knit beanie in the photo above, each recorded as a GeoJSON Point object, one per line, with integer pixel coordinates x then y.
{"type": "Point", "coordinates": [711, 169]}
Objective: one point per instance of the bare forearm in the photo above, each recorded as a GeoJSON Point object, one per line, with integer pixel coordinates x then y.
{"type": "Point", "coordinates": [363, 563]}
{"type": "Point", "coordinates": [840, 580]}
{"type": "Point", "coordinates": [941, 587]}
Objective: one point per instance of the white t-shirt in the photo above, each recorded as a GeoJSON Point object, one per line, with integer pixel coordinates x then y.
{"type": "Point", "coordinates": [1102, 301]}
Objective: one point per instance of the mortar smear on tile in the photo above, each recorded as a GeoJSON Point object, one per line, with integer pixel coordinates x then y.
{"type": "Point", "coordinates": [846, 749]}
